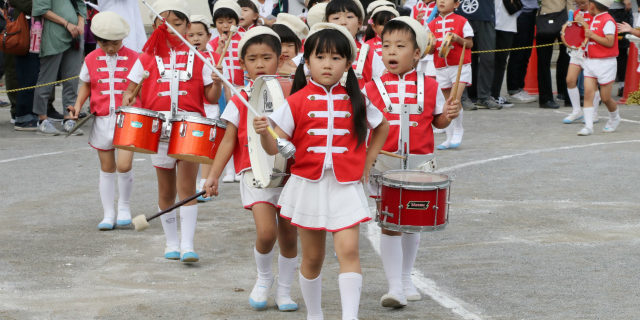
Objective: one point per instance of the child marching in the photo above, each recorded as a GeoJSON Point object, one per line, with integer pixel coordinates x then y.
{"type": "Point", "coordinates": [226, 15]}
{"type": "Point", "coordinates": [292, 32]}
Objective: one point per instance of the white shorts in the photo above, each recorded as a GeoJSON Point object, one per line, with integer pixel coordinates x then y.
{"type": "Point", "coordinates": [446, 76]}
{"type": "Point", "coordinates": [101, 136]}
{"type": "Point", "coordinates": [161, 160]}
{"type": "Point", "coordinates": [577, 57]}
{"type": "Point", "coordinates": [212, 111]}
{"type": "Point", "coordinates": [251, 196]}
{"type": "Point", "coordinates": [603, 70]}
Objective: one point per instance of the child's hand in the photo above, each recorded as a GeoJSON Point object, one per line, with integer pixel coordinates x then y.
{"type": "Point", "coordinates": [128, 99]}
{"type": "Point", "coordinates": [211, 187]}
{"type": "Point", "coordinates": [73, 113]}
{"type": "Point", "coordinates": [260, 125]}
{"type": "Point", "coordinates": [579, 17]}
{"type": "Point", "coordinates": [452, 108]}
{"type": "Point", "coordinates": [367, 172]}
{"type": "Point", "coordinates": [216, 80]}
{"type": "Point", "coordinates": [624, 27]}
{"type": "Point", "coordinates": [222, 39]}
{"type": "Point", "coordinates": [588, 34]}
{"type": "Point", "coordinates": [421, 14]}
{"type": "Point", "coordinates": [288, 68]}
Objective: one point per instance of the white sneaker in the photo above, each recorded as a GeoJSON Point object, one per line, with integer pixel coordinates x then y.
{"type": "Point", "coordinates": [612, 125]}
{"type": "Point", "coordinates": [229, 178]}
{"type": "Point", "coordinates": [572, 117]}
{"type": "Point", "coordinates": [522, 97]}
{"type": "Point", "coordinates": [392, 300]}
{"type": "Point", "coordinates": [260, 294]}
{"type": "Point", "coordinates": [585, 131]}
{"type": "Point", "coordinates": [410, 291]}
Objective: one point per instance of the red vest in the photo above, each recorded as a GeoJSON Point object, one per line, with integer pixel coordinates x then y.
{"type": "Point", "coordinates": [155, 92]}
{"type": "Point", "coordinates": [321, 117]}
{"type": "Point", "coordinates": [367, 70]}
{"type": "Point", "coordinates": [241, 160]}
{"type": "Point", "coordinates": [101, 91]}
{"type": "Point", "coordinates": [596, 50]}
{"type": "Point", "coordinates": [422, 7]}
{"type": "Point", "coordinates": [420, 131]}
{"type": "Point", "coordinates": [440, 27]}
{"type": "Point", "coordinates": [375, 44]}
{"type": "Point", "coordinates": [231, 59]}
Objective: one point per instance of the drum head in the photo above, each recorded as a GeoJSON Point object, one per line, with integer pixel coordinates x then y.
{"type": "Point", "coordinates": [573, 35]}
{"type": "Point", "coordinates": [415, 179]}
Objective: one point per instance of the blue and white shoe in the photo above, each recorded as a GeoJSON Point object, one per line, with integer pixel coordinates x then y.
{"type": "Point", "coordinates": [573, 117]}
{"type": "Point", "coordinates": [123, 223]}
{"type": "Point", "coordinates": [105, 225]}
{"type": "Point", "coordinates": [189, 256]}
{"type": "Point", "coordinates": [260, 294]}
{"type": "Point", "coordinates": [286, 304]}
{"type": "Point", "coordinates": [447, 145]}
{"type": "Point", "coordinates": [202, 198]}
{"type": "Point", "coordinates": [171, 254]}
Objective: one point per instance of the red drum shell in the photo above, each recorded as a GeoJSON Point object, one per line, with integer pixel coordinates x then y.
{"type": "Point", "coordinates": [137, 130]}
{"type": "Point", "coordinates": [573, 34]}
{"type": "Point", "coordinates": [195, 139]}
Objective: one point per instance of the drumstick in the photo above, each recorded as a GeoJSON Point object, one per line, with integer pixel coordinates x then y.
{"type": "Point", "coordinates": [391, 154]}
{"type": "Point", "coordinates": [141, 222]}
{"type": "Point", "coordinates": [136, 90]}
{"type": "Point", "coordinates": [285, 148]}
{"type": "Point", "coordinates": [454, 91]}
{"type": "Point", "coordinates": [232, 32]}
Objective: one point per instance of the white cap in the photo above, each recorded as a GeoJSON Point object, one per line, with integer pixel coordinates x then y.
{"type": "Point", "coordinates": [174, 5]}
{"type": "Point", "coordinates": [229, 4]}
{"type": "Point", "coordinates": [294, 23]}
{"type": "Point", "coordinates": [379, 3]}
{"type": "Point", "coordinates": [202, 19]}
{"type": "Point", "coordinates": [362, 12]}
{"type": "Point", "coordinates": [316, 14]}
{"type": "Point", "coordinates": [606, 3]}
{"type": "Point", "coordinates": [325, 25]}
{"type": "Point", "coordinates": [109, 25]}
{"type": "Point", "coordinates": [255, 32]}
{"type": "Point", "coordinates": [385, 8]}
{"type": "Point", "coordinates": [419, 29]}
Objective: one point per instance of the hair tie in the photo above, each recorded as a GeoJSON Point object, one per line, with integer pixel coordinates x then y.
{"type": "Point", "coordinates": [370, 21]}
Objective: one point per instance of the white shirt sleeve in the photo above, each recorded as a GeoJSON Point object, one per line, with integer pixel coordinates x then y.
{"type": "Point", "coordinates": [609, 28]}
{"type": "Point", "coordinates": [84, 74]}
{"type": "Point", "coordinates": [467, 30]}
{"type": "Point", "coordinates": [439, 102]}
{"type": "Point", "coordinates": [231, 114]}
{"type": "Point", "coordinates": [374, 116]}
{"type": "Point", "coordinates": [377, 66]}
{"type": "Point", "coordinates": [283, 118]}
{"type": "Point", "coordinates": [206, 75]}
{"type": "Point", "coordinates": [137, 72]}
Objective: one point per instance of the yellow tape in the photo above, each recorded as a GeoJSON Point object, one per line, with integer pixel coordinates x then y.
{"type": "Point", "coordinates": [520, 48]}
{"type": "Point", "coordinates": [39, 85]}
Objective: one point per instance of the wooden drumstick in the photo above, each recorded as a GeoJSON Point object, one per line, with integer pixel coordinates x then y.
{"type": "Point", "coordinates": [454, 91]}
{"type": "Point", "coordinates": [141, 222]}
{"type": "Point", "coordinates": [138, 87]}
{"type": "Point", "coordinates": [391, 154]}
{"type": "Point", "coordinates": [232, 32]}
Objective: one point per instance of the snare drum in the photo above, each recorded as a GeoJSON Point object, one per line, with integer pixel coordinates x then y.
{"type": "Point", "coordinates": [138, 129]}
{"type": "Point", "coordinates": [413, 201]}
{"type": "Point", "coordinates": [195, 138]}
{"type": "Point", "coordinates": [446, 45]}
{"type": "Point", "coordinates": [267, 95]}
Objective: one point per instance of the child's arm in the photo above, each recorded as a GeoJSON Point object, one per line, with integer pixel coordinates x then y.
{"type": "Point", "coordinates": [128, 99]}
{"type": "Point", "coordinates": [606, 41]}
{"type": "Point", "coordinates": [462, 41]}
{"type": "Point", "coordinates": [625, 27]}
{"type": "Point", "coordinates": [212, 92]}
{"type": "Point", "coordinates": [268, 142]}
{"type": "Point", "coordinates": [378, 137]}
{"type": "Point", "coordinates": [450, 111]}
{"type": "Point", "coordinates": [83, 93]}
{"type": "Point", "coordinates": [225, 150]}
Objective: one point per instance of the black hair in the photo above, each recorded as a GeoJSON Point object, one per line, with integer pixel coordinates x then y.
{"type": "Point", "coordinates": [268, 39]}
{"type": "Point", "coordinates": [287, 35]}
{"type": "Point", "coordinates": [206, 27]}
{"type": "Point", "coordinates": [600, 6]}
{"type": "Point", "coordinates": [336, 6]}
{"type": "Point", "coordinates": [176, 13]}
{"type": "Point", "coordinates": [225, 13]}
{"type": "Point", "coordinates": [334, 41]}
{"type": "Point", "coordinates": [249, 4]}
{"type": "Point", "coordinates": [312, 3]}
{"type": "Point", "coordinates": [396, 25]}
{"type": "Point", "coordinates": [379, 19]}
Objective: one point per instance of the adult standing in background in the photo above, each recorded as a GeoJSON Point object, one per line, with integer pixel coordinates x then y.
{"type": "Point", "coordinates": [61, 52]}
{"type": "Point", "coordinates": [519, 59]}
{"type": "Point", "coordinates": [553, 14]}
{"type": "Point", "coordinates": [506, 27]}
{"type": "Point", "coordinates": [130, 11]}
{"type": "Point", "coordinates": [620, 10]}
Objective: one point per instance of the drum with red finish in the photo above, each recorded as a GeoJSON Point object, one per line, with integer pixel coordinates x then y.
{"type": "Point", "coordinates": [194, 138]}
{"type": "Point", "coordinates": [138, 129]}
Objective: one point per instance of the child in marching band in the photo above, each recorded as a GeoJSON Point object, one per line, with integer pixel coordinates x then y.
{"type": "Point", "coordinates": [422, 10]}
{"type": "Point", "coordinates": [249, 15]}
{"type": "Point", "coordinates": [103, 78]}
{"type": "Point", "coordinates": [404, 42]}
{"type": "Point", "coordinates": [163, 55]}
{"type": "Point", "coordinates": [327, 122]}
{"type": "Point", "coordinates": [292, 31]}
{"type": "Point", "coordinates": [447, 68]}
{"type": "Point", "coordinates": [600, 66]}
{"type": "Point", "coordinates": [379, 17]}
{"type": "Point", "coordinates": [259, 51]}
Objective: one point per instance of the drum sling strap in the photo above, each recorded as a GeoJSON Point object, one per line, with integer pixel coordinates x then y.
{"type": "Point", "coordinates": [175, 76]}
{"type": "Point", "coordinates": [362, 58]}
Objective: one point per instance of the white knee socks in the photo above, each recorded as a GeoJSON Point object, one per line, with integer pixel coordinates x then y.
{"type": "Point", "coordinates": [574, 96]}
{"type": "Point", "coordinates": [391, 255]}
{"type": "Point", "coordinates": [350, 288]}
{"type": "Point", "coordinates": [263, 263]}
{"type": "Point", "coordinates": [312, 295]}
{"type": "Point", "coordinates": [170, 227]}
{"type": "Point", "coordinates": [125, 185]}
{"type": "Point", "coordinates": [596, 104]}
{"type": "Point", "coordinates": [410, 244]}
{"type": "Point", "coordinates": [286, 272]}
{"type": "Point", "coordinates": [588, 117]}
{"type": "Point", "coordinates": [188, 218]}
{"type": "Point", "coordinates": [458, 130]}
{"type": "Point", "coordinates": [107, 186]}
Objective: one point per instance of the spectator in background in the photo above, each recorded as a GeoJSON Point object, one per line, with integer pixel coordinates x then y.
{"type": "Point", "coordinates": [129, 10]}
{"type": "Point", "coordinates": [506, 27]}
{"type": "Point", "coordinates": [519, 59]}
{"type": "Point", "coordinates": [61, 52]}
{"type": "Point", "coordinates": [620, 10]}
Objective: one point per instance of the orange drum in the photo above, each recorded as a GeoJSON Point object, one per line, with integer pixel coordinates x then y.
{"type": "Point", "coordinates": [138, 129]}
{"type": "Point", "coordinates": [195, 138]}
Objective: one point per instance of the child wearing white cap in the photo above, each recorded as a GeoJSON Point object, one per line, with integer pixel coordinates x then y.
{"type": "Point", "coordinates": [379, 17]}
{"type": "Point", "coordinates": [226, 16]}
{"type": "Point", "coordinates": [103, 77]}
{"type": "Point", "coordinates": [292, 32]}
{"type": "Point", "coordinates": [249, 16]}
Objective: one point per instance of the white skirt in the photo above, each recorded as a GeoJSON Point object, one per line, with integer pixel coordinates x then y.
{"type": "Point", "coordinates": [251, 196]}
{"type": "Point", "coordinates": [101, 136]}
{"type": "Point", "coordinates": [324, 204]}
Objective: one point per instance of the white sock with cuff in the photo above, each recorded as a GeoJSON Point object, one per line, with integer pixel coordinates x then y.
{"type": "Point", "coordinates": [107, 187]}
{"type": "Point", "coordinates": [188, 219]}
{"type": "Point", "coordinates": [350, 284]}
{"type": "Point", "coordinates": [312, 295]}
{"type": "Point", "coordinates": [125, 185]}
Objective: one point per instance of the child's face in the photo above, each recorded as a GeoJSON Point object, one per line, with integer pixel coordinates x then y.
{"type": "Point", "coordinates": [327, 68]}
{"type": "Point", "coordinates": [180, 25]}
{"type": "Point", "coordinates": [259, 60]}
{"type": "Point", "coordinates": [398, 52]}
{"type": "Point", "coordinates": [288, 51]}
{"type": "Point", "coordinates": [224, 25]}
{"type": "Point", "coordinates": [110, 47]}
{"type": "Point", "coordinates": [198, 36]}
{"type": "Point", "coordinates": [583, 4]}
{"type": "Point", "coordinates": [248, 17]}
{"type": "Point", "coordinates": [592, 9]}
{"type": "Point", "coordinates": [447, 6]}
{"type": "Point", "coordinates": [346, 19]}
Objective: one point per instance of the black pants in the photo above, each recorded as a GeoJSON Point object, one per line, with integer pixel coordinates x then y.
{"type": "Point", "coordinates": [544, 68]}
{"type": "Point", "coordinates": [482, 64]}
{"type": "Point", "coordinates": [519, 59]}
{"type": "Point", "coordinates": [29, 65]}
{"type": "Point", "coordinates": [622, 15]}
{"type": "Point", "coordinates": [504, 40]}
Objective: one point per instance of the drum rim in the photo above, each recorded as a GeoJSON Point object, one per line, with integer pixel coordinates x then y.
{"type": "Point", "coordinates": [428, 185]}
{"type": "Point", "coordinates": [198, 119]}
{"type": "Point", "coordinates": [141, 111]}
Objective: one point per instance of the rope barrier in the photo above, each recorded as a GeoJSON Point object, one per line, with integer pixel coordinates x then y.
{"type": "Point", "coordinates": [39, 85]}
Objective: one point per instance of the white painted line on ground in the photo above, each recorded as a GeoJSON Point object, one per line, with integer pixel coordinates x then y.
{"type": "Point", "coordinates": [41, 155]}
{"type": "Point", "coordinates": [424, 284]}
{"type": "Point", "coordinates": [623, 119]}
{"type": "Point", "coordinates": [530, 152]}
{"type": "Point", "coordinates": [552, 202]}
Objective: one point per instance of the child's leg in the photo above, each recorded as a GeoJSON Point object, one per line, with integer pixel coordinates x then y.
{"type": "Point", "coordinates": [410, 244]}
{"type": "Point", "coordinates": [187, 174]}
{"type": "Point", "coordinates": [449, 129]}
{"type": "Point", "coordinates": [107, 186]}
{"type": "Point", "coordinates": [287, 263]}
{"type": "Point", "coordinates": [458, 130]}
{"type": "Point", "coordinates": [264, 216]}
{"type": "Point", "coordinates": [166, 198]}
{"type": "Point", "coordinates": [350, 279]}
{"type": "Point", "coordinates": [312, 242]}
{"type": "Point", "coordinates": [574, 94]}
{"type": "Point", "coordinates": [590, 86]}
{"type": "Point", "coordinates": [392, 256]}
{"type": "Point", "coordinates": [612, 106]}
{"type": "Point", "coordinates": [125, 185]}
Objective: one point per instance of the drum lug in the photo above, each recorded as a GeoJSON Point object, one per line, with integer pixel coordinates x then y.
{"type": "Point", "coordinates": [155, 125]}
{"type": "Point", "coordinates": [212, 134]}
{"type": "Point", "coordinates": [386, 213]}
{"type": "Point", "coordinates": [183, 129]}
{"type": "Point", "coordinates": [120, 120]}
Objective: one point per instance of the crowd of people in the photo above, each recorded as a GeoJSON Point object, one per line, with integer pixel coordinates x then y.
{"type": "Point", "coordinates": [359, 100]}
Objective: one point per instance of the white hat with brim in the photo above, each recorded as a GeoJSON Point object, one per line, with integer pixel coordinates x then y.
{"type": "Point", "coordinates": [385, 8]}
{"type": "Point", "coordinates": [170, 5]}
{"type": "Point", "coordinates": [419, 29]}
{"type": "Point", "coordinates": [379, 3]}
{"type": "Point", "coordinates": [294, 23]}
{"type": "Point", "coordinates": [316, 14]}
{"type": "Point", "coordinates": [325, 25]}
{"type": "Point", "coordinates": [109, 25]}
{"type": "Point", "coordinates": [202, 19]}
{"type": "Point", "coordinates": [362, 12]}
{"type": "Point", "coordinates": [229, 4]}
{"type": "Point", "coordinates": [255, 32]}
{"type": "Point", "coordinates": [606, 3]}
